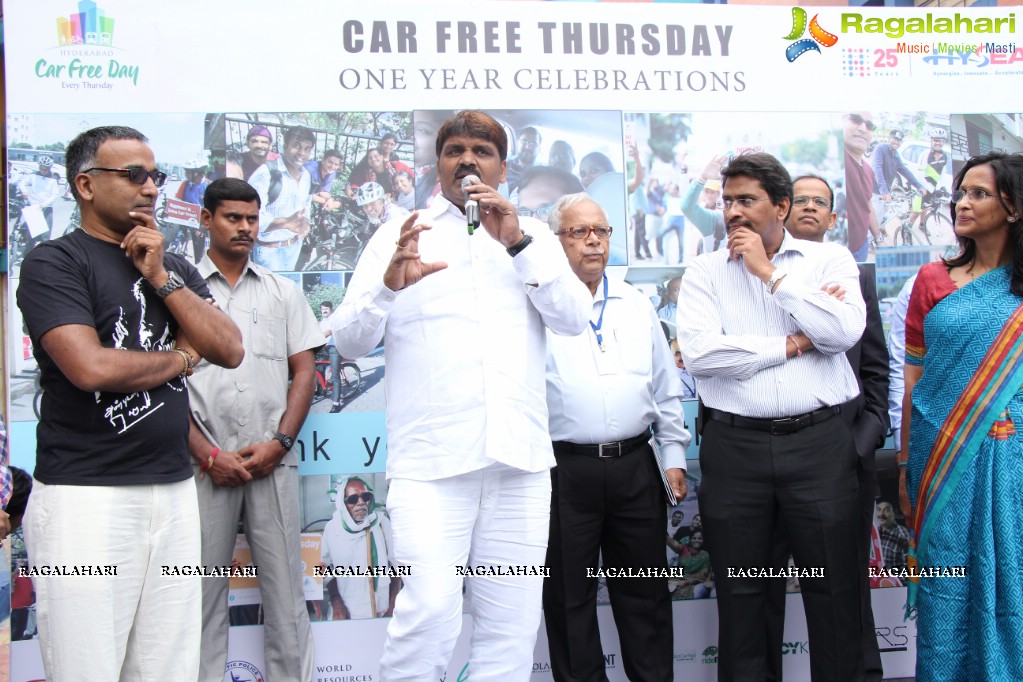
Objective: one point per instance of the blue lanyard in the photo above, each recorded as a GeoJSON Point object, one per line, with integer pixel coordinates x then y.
{"type": "Point", "coordinates": [600, 320]}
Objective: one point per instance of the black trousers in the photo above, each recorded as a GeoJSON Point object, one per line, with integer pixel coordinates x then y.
{"type": "Point", "coordinates": [775, 616]}
{"type": "Point", "coordinates": [614, 506]}
{"type": "Point", "coordinates": [751, 482]}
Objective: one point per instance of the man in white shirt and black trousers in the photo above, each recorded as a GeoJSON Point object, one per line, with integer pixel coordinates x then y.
{"type": "Point", "coordinates": [767, 326]}
{"type": "Point", "coordinates": [605, 388]}
{"type": "Point", "coordinates": [467, 440]}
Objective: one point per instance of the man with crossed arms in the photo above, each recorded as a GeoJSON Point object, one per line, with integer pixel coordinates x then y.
{"type": "Point", "coordinates": [769, 321]}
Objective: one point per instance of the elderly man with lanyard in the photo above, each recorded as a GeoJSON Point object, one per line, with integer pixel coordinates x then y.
{"type": "Point", "coordinates": [464, 315]}
{"type": "Point", "coordinates": [605, 388]}
{"type": "Point", "coordinates": [768, 322]}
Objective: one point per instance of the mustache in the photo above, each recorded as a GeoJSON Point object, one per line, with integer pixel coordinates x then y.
{"type": "Point", "coordinates": [468, 169]}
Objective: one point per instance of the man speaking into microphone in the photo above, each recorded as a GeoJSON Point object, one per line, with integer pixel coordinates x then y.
{"type": "Point", "coordinates": [468, 448]}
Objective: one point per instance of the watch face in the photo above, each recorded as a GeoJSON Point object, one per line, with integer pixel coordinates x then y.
{"type": "Point", "coordinates": [286, 441]}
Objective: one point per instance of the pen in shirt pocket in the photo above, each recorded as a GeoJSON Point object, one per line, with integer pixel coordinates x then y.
{"type": "Point", "coordinates": [254, 320]}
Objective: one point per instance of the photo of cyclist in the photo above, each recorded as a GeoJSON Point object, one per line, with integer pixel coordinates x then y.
{"type": "Point", "coordinates": [41, 189]}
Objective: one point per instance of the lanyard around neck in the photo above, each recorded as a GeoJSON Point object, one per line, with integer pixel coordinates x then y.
{"type": "Point", "coordinates": [600, 320]}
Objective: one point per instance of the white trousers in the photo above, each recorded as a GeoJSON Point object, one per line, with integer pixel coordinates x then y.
{"type": "Point", "coordinates": [137, 626]}
{"type": "Point", "coordinates": [498, 516]}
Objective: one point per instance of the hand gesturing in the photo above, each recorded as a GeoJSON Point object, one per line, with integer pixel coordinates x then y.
{"type": "Point", "coordinates": [406, 267]}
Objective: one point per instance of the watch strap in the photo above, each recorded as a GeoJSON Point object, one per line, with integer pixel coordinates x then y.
{"type": "Point", "coordinates": [523, 243]}
{"type": "Point", "coordinates": [173, 283]}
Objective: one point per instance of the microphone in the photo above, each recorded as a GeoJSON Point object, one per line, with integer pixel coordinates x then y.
{"type": "Point", "coordinates": [472, 207]}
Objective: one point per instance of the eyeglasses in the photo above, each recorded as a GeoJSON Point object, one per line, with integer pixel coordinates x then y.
{"type": "Point", "coordinates": [819, 202]}
{"type": "Point", "coordinates": [860, 121]}
{"type": "Point", "coordinates": [137, 175]}
{"type": "Point", "coordinates": [976, 195]}
{"type": "Point", "coordinates": [366, 497]}
{"type": "Point", "coordinates": [541, 213]}
{"type": "Point", "coordinates": [603, 232]}
{"type": "Point", "coordinates": [745, 202]}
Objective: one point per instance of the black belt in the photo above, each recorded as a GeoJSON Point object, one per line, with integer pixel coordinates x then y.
{"type": "Point", "coordinates": [776, 427]}
{"type": "Point", "coordinates": [603, 450]}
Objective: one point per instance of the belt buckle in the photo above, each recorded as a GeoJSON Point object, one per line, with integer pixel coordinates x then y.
{"type": "Point", "coordinates": [615, 448]}
{"type": "Point", "coordinates": [783, 427]}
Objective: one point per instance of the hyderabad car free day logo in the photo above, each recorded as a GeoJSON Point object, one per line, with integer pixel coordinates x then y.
{"type": "Point", "coordinates": [85, 57]}
{"type": "Point", "coordinates": [803, 45]}
{"type": "Point", "coordinates": [88, 26]}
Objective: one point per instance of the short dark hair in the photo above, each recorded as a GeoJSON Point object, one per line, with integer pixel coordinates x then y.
{"type": "Point", "coordinates": [329, 304]}
{"type": "Point", "coordinates": [299, 134]}
{"type": "Point", "coordinates": [1008, 170]}
{"type": "Point", "coordinates": [332, 152]}
{"type": "Point", "coordinates": [471, 123]}
{"type": "Point", "coordinates": [388, 136]}
{"type": "Point", "coordinates": [550, 175]}
{"type": "Point", "coordinates": [766, 170]}
{"type": "Point", "coordinates": [530, 129]}
{"type": "Point", "coordinates": [81, 151]}
{"type": "Point", "coordinates": [21, 483]}
{"type": "Point", "coordinates": [814, 176]}
{"type": "Point", "coordinates": [228, 189]}
{"type": "Point", "coordinates": [599, 158]}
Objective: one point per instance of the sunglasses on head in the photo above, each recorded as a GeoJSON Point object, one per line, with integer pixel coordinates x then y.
{"type": "Point", "coordinates": [365, 497]}
{"type": "Point", "coordinates": [136, 175]}
{"type": "Point", "coordinates": [860, 121]}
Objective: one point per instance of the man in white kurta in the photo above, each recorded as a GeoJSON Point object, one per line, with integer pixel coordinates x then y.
{"type": "Point", "coordinates": [468, 447]}
{"type": "Point", "coordinates": [357, 537]}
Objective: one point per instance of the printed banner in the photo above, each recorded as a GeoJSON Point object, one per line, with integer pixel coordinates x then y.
{"type": "Point", "coordinates": [638, 105]}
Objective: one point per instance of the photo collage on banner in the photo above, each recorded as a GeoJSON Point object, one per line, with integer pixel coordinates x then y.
{"type": "Point", "coordinates": [657, 176]}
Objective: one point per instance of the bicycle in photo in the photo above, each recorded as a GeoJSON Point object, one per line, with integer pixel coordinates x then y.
{"type": "Point", "coordinates": [898, 222]}
{"type": "Point", "coordinates": [349, 377]}
{"type": "Point", "coordinates": [337, 238]}
{"type": "Point", "coordinates": [935, 221]}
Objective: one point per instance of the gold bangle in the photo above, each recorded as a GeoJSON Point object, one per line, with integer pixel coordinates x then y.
{"type": "Point", "coordinates": [187, 357]}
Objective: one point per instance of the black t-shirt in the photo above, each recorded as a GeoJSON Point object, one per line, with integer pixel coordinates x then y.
{"type": "Point", "coordinates": [104, 438]}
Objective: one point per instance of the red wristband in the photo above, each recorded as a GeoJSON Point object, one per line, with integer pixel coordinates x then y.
{"type": "Point", "coordinates": [209, 462]}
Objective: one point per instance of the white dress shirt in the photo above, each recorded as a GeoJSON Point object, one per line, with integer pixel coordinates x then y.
{"type": "Point", "coordinates": [600, 396]}
{"type": "Point", "coordinates": [465, 348]}
{"type": "Point", "coordinates": [897, 357]}
{"type": "Point", "coordinates": [732, 329]}
{"type": "Point", "coordinates": [294, 197]}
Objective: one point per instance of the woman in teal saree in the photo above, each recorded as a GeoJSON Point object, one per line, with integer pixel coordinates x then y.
{"type": "Point", "coordinates": [964, 476]}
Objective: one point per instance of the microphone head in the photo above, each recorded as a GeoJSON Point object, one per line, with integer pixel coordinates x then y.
{"type": "Point", "coordinates": [469, 180]}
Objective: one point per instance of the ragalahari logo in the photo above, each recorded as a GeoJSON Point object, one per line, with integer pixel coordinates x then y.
{"type": "Point", "coordinates": [89, 26]}
{"type": "Point", "coordinates": [818, 35]}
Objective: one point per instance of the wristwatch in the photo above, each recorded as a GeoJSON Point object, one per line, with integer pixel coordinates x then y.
{"type": "Point", "coordinates": [776, 277]}
{"type": "Point", "coordinates": [522, 244]}
{"type": "Point", "coordinates": [285, 440]}
{"type": "Point", "coordinates": [174, 282]}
